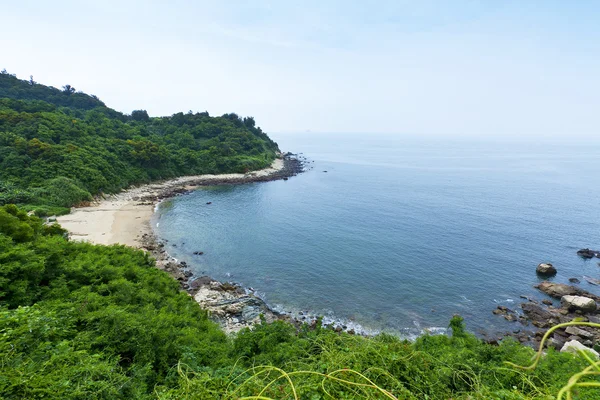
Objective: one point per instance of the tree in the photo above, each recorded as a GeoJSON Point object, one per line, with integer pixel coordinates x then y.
{"type": "Point", "coordinates": [140, 115]}
{"type": "Point", "coordinates": [249, 122]}
{"type": "Point", "coordinates": [68, 89]}
{"type": "Point", "coordinates": [31, 81]}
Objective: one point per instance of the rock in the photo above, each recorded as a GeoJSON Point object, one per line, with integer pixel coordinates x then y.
{"type": "Point", "coordinates": [198, 253]}
{"type": "Point", "coordinates": [573, 330]}
{"type": "Point", "coordinates": [510, 317]}
{"type": "Point", "coordinates": [581, 303]}
{"type": "Point", "coordinates": [574, 280]}
{"type": "Point", "coordinates": [250, 313]}
{"type": "Point", "coordinates": [555, 343]}
{"type": "Point", "coordinates": [574, 346]}
{"type": "Point", "coordinates": [208, 202]}
{"type": "Point", "coordinates": [547, 302]}
{"type": "Point", "coordinates": [587, 253]}
{"type": "Point", "coordinates": [558, 290]}
{"type": "Point", "coordinates": [538, 316]}
{"type": "Point", "coordinates": [338, 329]}
{"type": "Point", "coordinates": [545, 269]}
{"type": "Point", "coordinates": [593, 318]}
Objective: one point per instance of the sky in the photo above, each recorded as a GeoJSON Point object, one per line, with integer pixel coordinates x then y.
{"type": "Point", "coordinates": [462, 67]}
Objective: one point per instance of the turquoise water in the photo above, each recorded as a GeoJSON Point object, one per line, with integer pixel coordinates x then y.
{"type": "Point", "coordinates": [400, 233]}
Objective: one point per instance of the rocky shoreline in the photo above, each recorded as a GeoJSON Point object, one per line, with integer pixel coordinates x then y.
{"type": "Point", "coordinates": [227, 303]}
{"type": "Point", "coordinates": [562, 303]}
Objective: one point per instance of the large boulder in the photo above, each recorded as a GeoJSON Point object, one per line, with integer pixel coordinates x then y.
{"type": "Point", "coordinates": [546, 269]}
{"type": "Point", "coordinates": [557, 290]}
{"type": "Point", "coordinates": [581, 303]}
{"type": "Point", "coordinates": [573, 346]}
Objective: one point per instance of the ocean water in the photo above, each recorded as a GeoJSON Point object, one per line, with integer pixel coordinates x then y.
{"type": "Point", "coordinates": [400, 233]}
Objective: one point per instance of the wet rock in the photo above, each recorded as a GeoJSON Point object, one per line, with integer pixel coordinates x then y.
{"type": "Point", "coordinates": [250, 313]}
{"type": "Point", "coordinates": [581, 303]}
{"type": "Point", "coordinates": [198, 253]}
{"type": "Point", "coordinates": [574, 280]}
{"type": "Point", "coordinates": [558, 290]}
{"type": "Point", "coordinates": [538, 315]}
{"type": "Point", "coordinates": [587, 253]}
{"type": "Point", "coordinates": [547, 302]}
{"type": "Point", "coordinates": [545, 269]}
{"type": "Point", "coordinates": [574, 346]}
{"type": "Point", "coordinates": [208, 202]}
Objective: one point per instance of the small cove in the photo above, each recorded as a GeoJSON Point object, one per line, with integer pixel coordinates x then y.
{"type": "Point", "coordinates": [400, 233]}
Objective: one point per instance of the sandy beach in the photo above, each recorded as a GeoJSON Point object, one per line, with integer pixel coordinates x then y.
{"type": "Point", "coordinates": [125, 217]}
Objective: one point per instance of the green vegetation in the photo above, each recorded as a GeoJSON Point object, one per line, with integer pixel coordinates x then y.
{"type": "Point", "coordinates": [59, 148]}
{"type": "Point", "coordinates": [79, 321]}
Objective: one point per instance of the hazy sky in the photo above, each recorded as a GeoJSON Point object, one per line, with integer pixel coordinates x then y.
{"type": "Point", "coordinates": [425, 67]}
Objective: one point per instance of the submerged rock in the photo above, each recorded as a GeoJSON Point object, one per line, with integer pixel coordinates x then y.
{"type": "Point", "coordinates": [581, 303]}
{"type": "Point", "coordinates": [587, 253]}
{"type": "Point", "coordinates": [574, 280]}
{"type": "Point", "coordinates": [546, 269]}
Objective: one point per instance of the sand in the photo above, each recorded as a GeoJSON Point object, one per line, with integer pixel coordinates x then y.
{"type": "Point", "coordinates": [124, 218]}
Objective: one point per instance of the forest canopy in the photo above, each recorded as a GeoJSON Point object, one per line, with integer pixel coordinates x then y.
{"type": "Point", "coordinates": [59, 148]}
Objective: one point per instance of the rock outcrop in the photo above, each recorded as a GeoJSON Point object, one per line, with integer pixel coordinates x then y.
{"type": "Point", "coordinates": [581, 303]}
{"type": "Point", "coordinates": [545, 269]}
{"type": "Point", "coordinates": [587, 253]}
{"type": "Point", "coordinates": [558, 290]}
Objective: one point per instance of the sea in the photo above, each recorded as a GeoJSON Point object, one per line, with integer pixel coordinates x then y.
{"type": "Point", "coordinates": [398, 233]}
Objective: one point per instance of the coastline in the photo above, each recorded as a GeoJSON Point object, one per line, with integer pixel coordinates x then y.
{"type": "Point", "coordinates": [125, 219]}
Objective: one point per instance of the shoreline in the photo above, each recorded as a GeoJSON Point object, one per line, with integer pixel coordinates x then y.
{"type": "Point", "coordinates": [125, 219]}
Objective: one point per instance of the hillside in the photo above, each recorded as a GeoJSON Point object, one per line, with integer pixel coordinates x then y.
{"type": "Point", "coordinates": [83, 321]}
{"type": "Point", "coordinates": [60, 148]}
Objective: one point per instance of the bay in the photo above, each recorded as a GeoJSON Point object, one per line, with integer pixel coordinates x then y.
{"type": "Point", "coordinates": [401, 232]}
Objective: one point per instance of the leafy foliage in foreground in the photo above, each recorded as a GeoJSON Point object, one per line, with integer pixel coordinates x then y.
{"type": "Point", "coordinates": [79, 321]}
{"type": "Point", "coordinates": [59, 148]}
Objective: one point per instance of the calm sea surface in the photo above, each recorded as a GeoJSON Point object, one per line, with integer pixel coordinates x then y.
{"type": "Point", "coordinates": [400, 233]}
